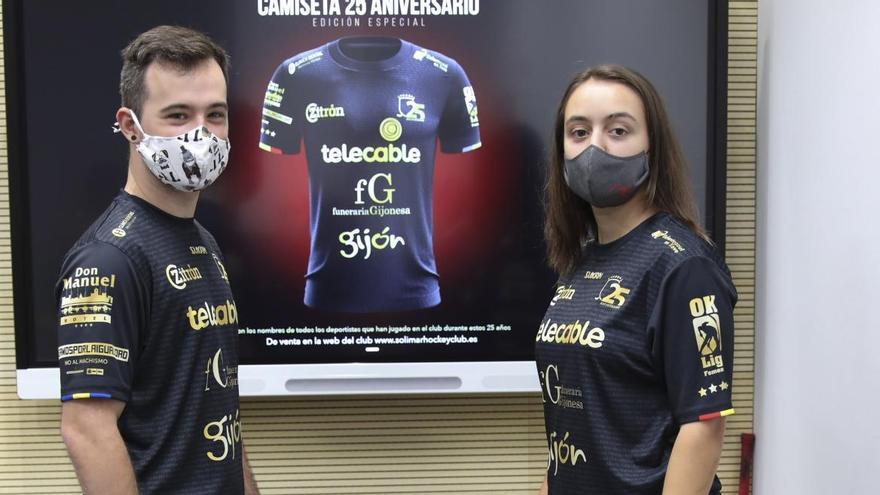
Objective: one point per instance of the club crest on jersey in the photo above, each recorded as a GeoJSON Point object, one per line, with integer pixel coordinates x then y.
{"type": "Point", "coordinates": [707, 331]}
{"type": "Point", "coordinates": [220, 267]}
{"type": "Point", "coordinates": [612, 295]}
{"type": "Point", "coordinates": [409, 109]}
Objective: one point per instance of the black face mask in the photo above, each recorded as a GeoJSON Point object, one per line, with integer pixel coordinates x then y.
{"type": "Point", "coordinates": [605, 180]}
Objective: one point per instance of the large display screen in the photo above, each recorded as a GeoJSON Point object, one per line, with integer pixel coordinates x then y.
{"type": "Point", "coordinates": [383, 202]}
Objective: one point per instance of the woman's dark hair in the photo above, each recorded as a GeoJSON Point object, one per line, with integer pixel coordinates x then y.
{"type": "Point", "coordinates": [569, 219]}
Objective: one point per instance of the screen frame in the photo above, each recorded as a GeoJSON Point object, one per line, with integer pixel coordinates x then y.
{"type": "Point", "coordinates": [37, 382]}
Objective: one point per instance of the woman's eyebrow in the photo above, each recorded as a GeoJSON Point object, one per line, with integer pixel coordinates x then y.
{"type": "Point", "coordinates": [620, 115]}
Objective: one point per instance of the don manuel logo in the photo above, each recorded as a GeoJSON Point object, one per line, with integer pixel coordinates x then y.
{"type": "Point", "coordinates": [81, 307]}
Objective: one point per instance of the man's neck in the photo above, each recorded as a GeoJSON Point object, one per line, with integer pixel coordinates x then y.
{"type": "Point", "coordinates": [615, 222]}
{"type": "Point", "coordinates": [144, 185]}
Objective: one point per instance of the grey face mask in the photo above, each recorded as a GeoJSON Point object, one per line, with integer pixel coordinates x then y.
{"type": "Point", "coordinates": [605, 180]}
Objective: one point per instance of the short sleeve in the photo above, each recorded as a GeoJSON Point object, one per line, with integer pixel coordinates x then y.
{"type": "Point", "coordinates": [101, 315]}
{"type": "Point", "coordinates": [459, 130]}
{"type": "Point", "coordinates": [280, 130]}
{"type": "Point", "coordinates": [693, 339]}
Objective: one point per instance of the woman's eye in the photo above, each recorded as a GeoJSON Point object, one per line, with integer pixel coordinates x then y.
{"type": "Point", "coordinates": [579, 133]}
{"type": "Point", "coordinates": [619, 132]}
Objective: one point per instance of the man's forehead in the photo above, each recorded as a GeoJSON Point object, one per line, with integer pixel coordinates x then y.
{"type": "Point", "coordinates": [221, 105]}
{"type": "Point", "coordinates": [200, 85]}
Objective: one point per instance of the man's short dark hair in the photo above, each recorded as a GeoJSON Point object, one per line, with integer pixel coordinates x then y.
{"type": "Point", "coordinates": [179, 47]}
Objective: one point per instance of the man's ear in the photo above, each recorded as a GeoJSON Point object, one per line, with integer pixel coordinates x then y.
{"type": "Point", "coordinates": [126, 125]}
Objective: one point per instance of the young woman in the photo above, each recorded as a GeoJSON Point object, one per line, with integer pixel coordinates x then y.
{"type": "Point", "coordinates": [635, 352]}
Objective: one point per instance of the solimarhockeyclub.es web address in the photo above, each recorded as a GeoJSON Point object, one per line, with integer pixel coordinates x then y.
{"type": "Point", "coordinates": [372, 341]}
{"type": "Point", "coordinates": [424, 339]}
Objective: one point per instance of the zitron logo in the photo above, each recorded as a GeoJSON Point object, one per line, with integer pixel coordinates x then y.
{"type": "Point", "coordinates": [562, 293]}
{"type": "Point", "coordinates": [179, 276]}
{"type": "Point", "coordinates": [315, 112]}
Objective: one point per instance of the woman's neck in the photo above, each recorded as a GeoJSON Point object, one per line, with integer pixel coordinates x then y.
{"type": "Point", "coordinates": [614, 222]}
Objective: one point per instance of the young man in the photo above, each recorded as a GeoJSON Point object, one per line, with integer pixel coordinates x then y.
{"type": "Point", "coordinates": [147, 323]}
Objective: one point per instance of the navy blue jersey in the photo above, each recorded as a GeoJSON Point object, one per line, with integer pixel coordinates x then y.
{"type": "Point", "coordinates": [370, 112]}
{"type": "Point", "coordinates": [147, 317]}
{"type": "Point", "coordinates": [637, 341]}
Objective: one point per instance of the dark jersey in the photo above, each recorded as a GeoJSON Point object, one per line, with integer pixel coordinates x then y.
{"type": "Point", "coordinates": [147, 317]}
{"type": "Point", "coordinates": [370, 112]}
{"type": "Point", "coordinates": [637, 340]}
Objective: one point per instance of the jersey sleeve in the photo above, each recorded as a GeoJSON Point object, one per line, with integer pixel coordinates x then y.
{"type": "Point", "coordinates": [280, 129]}
{"type": "Point", "coordinates": [459, 129]}
{"type": "Point", "coordinates": [102, 308]}
{"type": "Point", "coordinates": [693, 340]}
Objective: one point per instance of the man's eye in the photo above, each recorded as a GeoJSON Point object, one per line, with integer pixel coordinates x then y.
{"type": "Point", "coordinates": [217, 115]}
{"type": "Point", "coordinates": [176, 116]}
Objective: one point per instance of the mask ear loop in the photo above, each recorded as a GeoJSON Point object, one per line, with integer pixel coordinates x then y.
{"type": "Point", "coordinates": [117, 129]}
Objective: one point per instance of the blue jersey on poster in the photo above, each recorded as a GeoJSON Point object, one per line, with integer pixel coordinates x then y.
{"type": "Point", "coordinates": [369, 112]}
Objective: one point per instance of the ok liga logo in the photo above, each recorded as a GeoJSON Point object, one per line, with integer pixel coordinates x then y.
{"type": "Point", "coordinates": [707, 331]}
